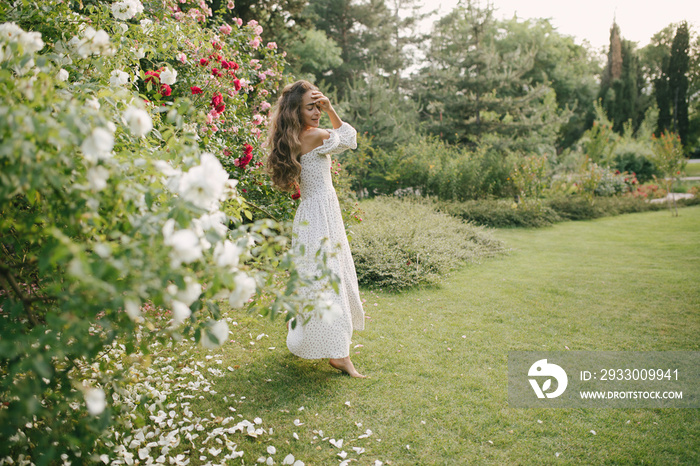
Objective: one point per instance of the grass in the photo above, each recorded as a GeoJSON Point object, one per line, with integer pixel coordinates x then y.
{"type": "Point", "coordinates": [437, 357]}
{"type": "Point", "coordinates": [692, 169]}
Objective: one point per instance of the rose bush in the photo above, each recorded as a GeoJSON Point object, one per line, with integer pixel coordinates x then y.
{"type": "Point", "coordinates": [119, 193]}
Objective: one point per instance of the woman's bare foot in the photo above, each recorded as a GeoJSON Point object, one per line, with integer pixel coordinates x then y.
{"type": "Point", "coordinates": [345, 365]}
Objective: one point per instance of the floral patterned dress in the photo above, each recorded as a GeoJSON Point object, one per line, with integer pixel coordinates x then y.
{"type": "Point", "coordinates": [318, 216]}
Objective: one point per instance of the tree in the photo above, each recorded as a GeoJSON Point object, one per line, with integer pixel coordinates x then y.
{"type": "Point", "coordinates": [370, 33]}
{"type": "Point", "coordinates": [570, 69]}
{"type": "Point", "coordinates": [622, 82]}
{"type": "Point", "coordinates": [656, 60]}
{"type": "Point", "coordinates": [313, 54]}
{"type": "Point", "coordinates": [380, 109]}
{"type": "Point", "coordinates": [677, 79]}
{"type": "Point", "coordinates": [473, 85]}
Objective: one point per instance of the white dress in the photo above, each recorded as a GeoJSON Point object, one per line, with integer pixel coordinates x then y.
{"type": "Point", "coordinates": [318, 216]}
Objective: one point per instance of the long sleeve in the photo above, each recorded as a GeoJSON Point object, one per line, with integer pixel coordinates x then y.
{"type": "Point", "coordinates": [340, 140]}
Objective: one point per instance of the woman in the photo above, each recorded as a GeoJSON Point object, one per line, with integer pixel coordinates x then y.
{"type": "Point", "coordinates": [300, 155]}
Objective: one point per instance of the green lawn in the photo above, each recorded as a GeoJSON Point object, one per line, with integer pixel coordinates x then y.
{"type": "Point", "coordinates": [692, 169]}
{"type": "Point", "coordinates": [437, 358]}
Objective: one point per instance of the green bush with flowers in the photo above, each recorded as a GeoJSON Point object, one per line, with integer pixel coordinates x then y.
{"type": "Point", "coordinates": [131, 204]}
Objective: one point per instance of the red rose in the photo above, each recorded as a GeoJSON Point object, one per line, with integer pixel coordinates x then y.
{"type": "Point", "coordinates": [165, 90]}
{"type": "Point", "coordinates": [225, 65]}
{"type": "Point", "coordinates": [243, 162]}
{"type": "Point", "coordinates": [216, 72]}
{"type": "Point", "coordinates": [233, 65]}
{"type": "Point", "coordinates": [203, 62]}
{"type": "Point", "coordinates": [152, 76]}
{"type": "Point", "coordinates": [297, 194]}
{"type": "Point", "coordinates": [217, 101]}
{"type": "Point", "coordinates": [196, 90]}
{"type": "Point", "coordinates": [237, 85]}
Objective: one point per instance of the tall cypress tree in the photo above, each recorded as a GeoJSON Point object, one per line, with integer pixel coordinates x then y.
{"type": "Point", "coordinates": [678, 65]}
{"type": "Point", "coordinates": [620, 86]}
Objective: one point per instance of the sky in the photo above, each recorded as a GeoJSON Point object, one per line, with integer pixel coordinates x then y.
{"type": "Point", "coordinates": [639, 20]}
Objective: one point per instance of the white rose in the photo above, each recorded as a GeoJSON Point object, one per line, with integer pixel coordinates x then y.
{"type": "Point", "coordinates": [181, 311]}
{"type": "Point", "coordinates": [146, 25]}
{"type": "Point", "coordinates": [226, 254]}
{"type": "Point", "coordinates": [245, 287]}
{"type": "Point", "coordinates": [10, 32]}
{"type": "Point", "coordinates": [172, 182]}
{"type": "Point", "coordinates": [185, 243]}
{"type": "Point", "coordinates": [95, 400]}
{"type": "Point", "coordinates": [97, 177]}
{"type": "Point", "coordinates": [191, 292]}
{"type": "Point", "coordinates": [62, 75]}
{"type": "Point", "coordinates": [98, 145]}
{"type": "Point", "coordinates": [93, 104]}
{"type": "Point", "coordinates": [139, 121]}
{"type": "Point", "coordinates": [140, 53]}
{"type": "Point", "coordinates": [31, 42]}
{"type": "Point", "coordinates": [186, 246]}
{"type": "Point", "coordinates": [219, 330]}
{"type": "Point", "coordinates": [118, 78]}
{"type": "Point", "coordinates": [100, 39]}
{"type": "Point", "coordinates": [205, 184]}
{"type": "Point", "coordinates": [215, 221]}
{"type": "Point", "coordinates": [126, 9]}
{"type": "Point", "coordinates": [168, 76]}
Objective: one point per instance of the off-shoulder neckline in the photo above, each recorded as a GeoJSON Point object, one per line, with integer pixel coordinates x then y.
{"type": "Point", "coordinates": [318, 147]}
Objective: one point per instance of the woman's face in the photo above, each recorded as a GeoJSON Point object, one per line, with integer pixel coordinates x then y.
{"type": "Point", "coordinates": [310, 112]}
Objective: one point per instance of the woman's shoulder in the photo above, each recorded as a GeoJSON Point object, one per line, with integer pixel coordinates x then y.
{"type": "Point", "coordinates": [312, 138]}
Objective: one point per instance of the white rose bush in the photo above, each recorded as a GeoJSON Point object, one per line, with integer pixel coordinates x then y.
{"type": "Point", "coordinates": [124, 214]}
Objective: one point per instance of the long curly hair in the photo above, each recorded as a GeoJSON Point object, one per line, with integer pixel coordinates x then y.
{"type": "Point", "coordinates": [283, 143]}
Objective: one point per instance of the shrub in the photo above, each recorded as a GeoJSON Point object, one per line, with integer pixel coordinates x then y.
{"type": "Point", "coordinates": [403, 243]}
{"type": "Point", "coordinates": [501, 213]}
{"type": "Point", "coordinates": [639, 165]}
{"type": "Point", "coordinates": [579, 208]}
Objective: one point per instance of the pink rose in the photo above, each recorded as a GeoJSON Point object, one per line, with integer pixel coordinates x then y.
{"type": "Point", "coordinates": [272, 45]}
{"type": "Point", "coordinates": [239, 22]}
{"type": "Point", "coordinates": [225, 29]}
{"type": "Point", "coordinates": [255, 43]}
{"type": "Point", "coordinates": [182, 58]}
{"type": "Point", "coordinates": [230, 5]}
{"type": "Point", "coordinates": [257, 119]}
{"type": "Point", "coordinates": [258, 30]}
{"type": "Point", "coordinates": [265, 106]}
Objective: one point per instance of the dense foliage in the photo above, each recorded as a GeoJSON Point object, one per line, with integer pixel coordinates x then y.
{"type": "Point", "coordinates": [404, 243]}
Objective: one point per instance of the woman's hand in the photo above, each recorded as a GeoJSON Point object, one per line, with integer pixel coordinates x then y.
{"type": "Point", "coordinates": [323, 103]}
